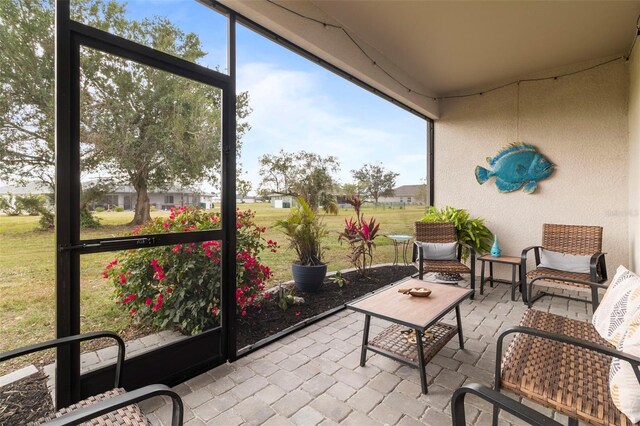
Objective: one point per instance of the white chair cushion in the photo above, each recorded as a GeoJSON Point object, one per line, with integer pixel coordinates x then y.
{"type": "Point", "coordinates": [565, 262]}
{"type": "Point", "coordinates": [439, 251]}
{"type": "Point", "coordinates": [623, 383]}
{"type": "Point", "coordinates": [618, 306]}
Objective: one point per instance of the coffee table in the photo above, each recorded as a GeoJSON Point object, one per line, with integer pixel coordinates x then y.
{"type": "Point", "coordinates": [420, 314]}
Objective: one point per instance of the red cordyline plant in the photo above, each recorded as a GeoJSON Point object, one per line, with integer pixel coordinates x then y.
{"type": "Point", "coordinates": [179, 286]}
{"type": "Point", "coordinates": [360, 234]}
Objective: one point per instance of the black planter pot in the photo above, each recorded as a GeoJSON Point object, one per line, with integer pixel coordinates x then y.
{"type": "Point", "coordinates": [308, 279]}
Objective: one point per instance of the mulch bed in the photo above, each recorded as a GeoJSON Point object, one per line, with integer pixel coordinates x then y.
{"type": "Point", "coordinates": [28, 399]}
{"type": "Point", "coordinates": [25, 400]}
{"type": "Point", "coordinates": [257, 325]}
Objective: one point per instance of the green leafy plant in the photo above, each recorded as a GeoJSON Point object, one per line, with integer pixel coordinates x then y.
{"type": "Point", "coordinates": [470, 230]}
{"type": "Point", "coordinates": [99, 209]}
{"type": "Point", "coordinates": [360, 234]}
{"type": "Point", "coordinates": [119, 209]}
{"type": "Point", "coordinates": [339, 279]}
{"type": "Point", "coordinates": [304, 229]}
{"type": "Point", "coordinates": [47, 220]}
{"type": "Point", "coordinates": [10, 206]}
{"type": "Point", "coordinates": [179, 286]}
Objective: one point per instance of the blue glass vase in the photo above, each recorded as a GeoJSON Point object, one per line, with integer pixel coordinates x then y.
{"type": "Point", "coordinates": [495, 249]}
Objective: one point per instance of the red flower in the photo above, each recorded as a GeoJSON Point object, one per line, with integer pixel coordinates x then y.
{"type": "Point", "coordinates": [176, 249]}
{"type": "Point", "coordinates": [266, 294]}
{"type": "Point", "coordinates": [215, 310]}
{"type": "Point", "coordinates": [158, 304]}
{"type": "Point", "coordinates": [166, 225]}
{"type": "Point", "coordinates": [298, 313]}
{"type": "Point", "coordinates": [123, 278]}
{"type": "Point", "coordinates": [244, 313]}
{"type": "Point", "coordinates": [148, 301]}
{"type": "Point", "coordinates": [129, 298]}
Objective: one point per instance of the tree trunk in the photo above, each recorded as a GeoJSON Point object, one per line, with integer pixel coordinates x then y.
{"type": "Point", "coordinates": [143, 208]}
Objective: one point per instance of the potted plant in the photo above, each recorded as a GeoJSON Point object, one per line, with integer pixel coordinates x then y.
{"type": "Point", "coordinates": [304, 230]}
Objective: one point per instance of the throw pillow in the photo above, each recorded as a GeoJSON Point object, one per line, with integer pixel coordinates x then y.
{"type": "Point", "coordinates": [439, 251]}
{"type": "Point", "coordinates": [623, 383]}
{"type": "Point", "coordinates": [618, 306]}
{"type": "Point", "coordinates": [565, 262]}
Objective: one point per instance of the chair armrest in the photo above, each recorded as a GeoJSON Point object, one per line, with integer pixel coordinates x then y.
{"type": "Point", "coordinates": [612, 352]}
{"type": "Point", "coordinates": [523, 256]}
{"type": "Point", "coordinates": [56, 343]}
{"type": "Point", "coordinates": [100, 408]}
{"type": "Point", "coordinates": [589, 283]}
{"type": "Point", "coordinates": [497, 399]}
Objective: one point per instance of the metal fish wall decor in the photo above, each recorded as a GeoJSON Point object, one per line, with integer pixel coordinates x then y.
{"type": "Point", "coordinates": [515, 166]}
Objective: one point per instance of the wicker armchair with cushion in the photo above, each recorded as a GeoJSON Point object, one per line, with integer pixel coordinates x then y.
{"type": "Point", "coordinates": [442, 234]}
{"type": "Point", "coordinates": [112, 408]}
{"type": "Point", "coordinates": [587, 371]}
{"type": "Point", "coordinates": [575, 254]}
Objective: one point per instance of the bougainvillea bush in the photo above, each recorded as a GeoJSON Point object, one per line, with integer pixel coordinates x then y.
{"type": "Point", "coordinates": [179, 286]}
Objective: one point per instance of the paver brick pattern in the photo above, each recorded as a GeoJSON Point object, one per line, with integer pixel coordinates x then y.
{"type": "Point", "coordinates": [313, 377]}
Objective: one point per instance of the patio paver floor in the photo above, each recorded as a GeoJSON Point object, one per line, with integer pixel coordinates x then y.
{"type": "Point", "coordinates": [308, 379]}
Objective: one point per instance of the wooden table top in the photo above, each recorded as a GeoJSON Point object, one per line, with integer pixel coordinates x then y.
{"type": "Point", "coordinates": [501, 259]}
{"type": "Point", "coordinates": [416, 312]}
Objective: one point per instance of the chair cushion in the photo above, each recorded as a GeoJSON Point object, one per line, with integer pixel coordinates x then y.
{"type": "Point", "coordinates": [618, 306]}
{"type": "Point", "coordinates": [439, 251]}
{"type": "Point", "coordinates": [565, 262]}
{"type": "Point", "coordinates": [623, 383]}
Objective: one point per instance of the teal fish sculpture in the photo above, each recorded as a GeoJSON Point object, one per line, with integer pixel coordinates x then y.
{"type": "Point", "coordinates": [515, 166]}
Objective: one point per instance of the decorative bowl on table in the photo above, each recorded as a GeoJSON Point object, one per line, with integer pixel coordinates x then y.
{"type": "Point", "coordinates": [416, 291]}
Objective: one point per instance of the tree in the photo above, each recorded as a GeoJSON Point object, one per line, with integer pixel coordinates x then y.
{"type": "Point", "coordinates": [140, 125]}
{"type": "Point", "coordinates": [243, 187]}
{"type": "Point", "coordinates": [375, 181]}
{"type": "Point", "coordinates": [301, 174]}
{"type": "Point", "coordinates": [350, 189]}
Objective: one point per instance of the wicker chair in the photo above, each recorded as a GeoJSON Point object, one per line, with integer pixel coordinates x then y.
{"type": "Point", "coordinates": [112, 408]}
{"type": "Point", "coordinates": [570, 239]}
{"type": "Point", "coordinates": [562, 364]}
{"type": "Point", "coordinates": [442, 232]}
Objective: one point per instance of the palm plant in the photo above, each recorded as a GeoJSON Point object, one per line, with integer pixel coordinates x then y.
{"type": "Point", "coordinates": [304, 230]}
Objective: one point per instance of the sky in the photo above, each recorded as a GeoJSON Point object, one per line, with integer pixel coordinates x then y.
{"type": "Point", "coordinates": [298, 105]}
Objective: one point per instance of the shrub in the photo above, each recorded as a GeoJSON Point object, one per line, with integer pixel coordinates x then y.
{"type": "Point", "coordinates": [99, 209]}
{"type": "Point", "coordinates": [179, 286]}
{"type": "Point", "coordinates": [87, 219]}
{"type": "Point", "coordinates": [471, 231]}
{"type": "Point", "coordinates": [360, 235]}
{"type": "Point", "coordinates": [47, 220]}
{"type": "Point", "coordinates": [119, 209]}
{"type": "Point", "coordinates": [32, 204]}
{"type": "Point", "coordinates": [10, 206]}
{"type": "Point", "coordinates": [304, 229]}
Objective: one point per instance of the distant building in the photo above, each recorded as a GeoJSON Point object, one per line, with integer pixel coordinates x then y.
{"type": "Point", "coordinates": [125, 196]}
{"type": "Point", "coordinates": [406, 194]}
{"type": "Point", "coordinates": [280, 201]}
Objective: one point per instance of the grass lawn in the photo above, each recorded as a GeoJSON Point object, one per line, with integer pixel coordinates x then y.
{"type": "Point", "coordinates": [27, 266]}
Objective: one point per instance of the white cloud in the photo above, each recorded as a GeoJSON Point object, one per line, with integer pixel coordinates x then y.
{"type": "Point", "coordinates": [293, 111]}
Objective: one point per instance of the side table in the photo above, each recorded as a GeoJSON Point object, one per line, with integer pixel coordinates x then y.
{"type": "Point", "coordinates": [399, 240]}
{"type": "Point", "coordinates": [507, 260]}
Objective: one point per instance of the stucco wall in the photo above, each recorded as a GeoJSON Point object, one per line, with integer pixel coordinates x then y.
{"type": "Point", "coordinates": [579, 122]}
{"type": "Point", "coordinates": [634, 157]}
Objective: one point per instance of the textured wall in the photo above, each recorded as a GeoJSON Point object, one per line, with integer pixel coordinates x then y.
{"type": "Point", "coordinates": [634, 157]}
{"type": "Point", "coordinates": [579, 122]}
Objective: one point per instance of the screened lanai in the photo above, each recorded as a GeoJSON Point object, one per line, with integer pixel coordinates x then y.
{"type": "Point", "coordinates": [558, 78]}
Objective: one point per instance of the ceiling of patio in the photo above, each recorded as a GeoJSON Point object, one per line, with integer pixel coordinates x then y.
{"type": "Point", "coordinates": [442, 48]}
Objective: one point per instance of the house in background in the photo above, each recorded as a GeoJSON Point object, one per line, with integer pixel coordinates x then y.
{"type": "Point", "coordinates": [125, 196]}
{"type": "Point", "coordinates": [407, 194]}
{"type": "Point", "coordinates": [279, 201]}
{"type": "Point", "coordinates": [30, 188]}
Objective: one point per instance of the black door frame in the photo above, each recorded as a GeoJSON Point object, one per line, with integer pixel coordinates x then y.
{"type": "Point", "coordinates": [187, 357]}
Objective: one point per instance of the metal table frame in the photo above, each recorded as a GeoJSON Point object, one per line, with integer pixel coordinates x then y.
{"type": "Point", "coordinates": [419, 330]}
{"type": "Point", "coordinates": [491, 280]}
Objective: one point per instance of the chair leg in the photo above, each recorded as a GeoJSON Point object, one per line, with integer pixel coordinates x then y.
{"type": "Point", "coordinates": [594, 298]}
{"type": "Point", "coordinates": [473, 283]}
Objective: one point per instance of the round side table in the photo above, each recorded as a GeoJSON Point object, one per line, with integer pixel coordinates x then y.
{"type": "Point", "coordinates": [400, 240]}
